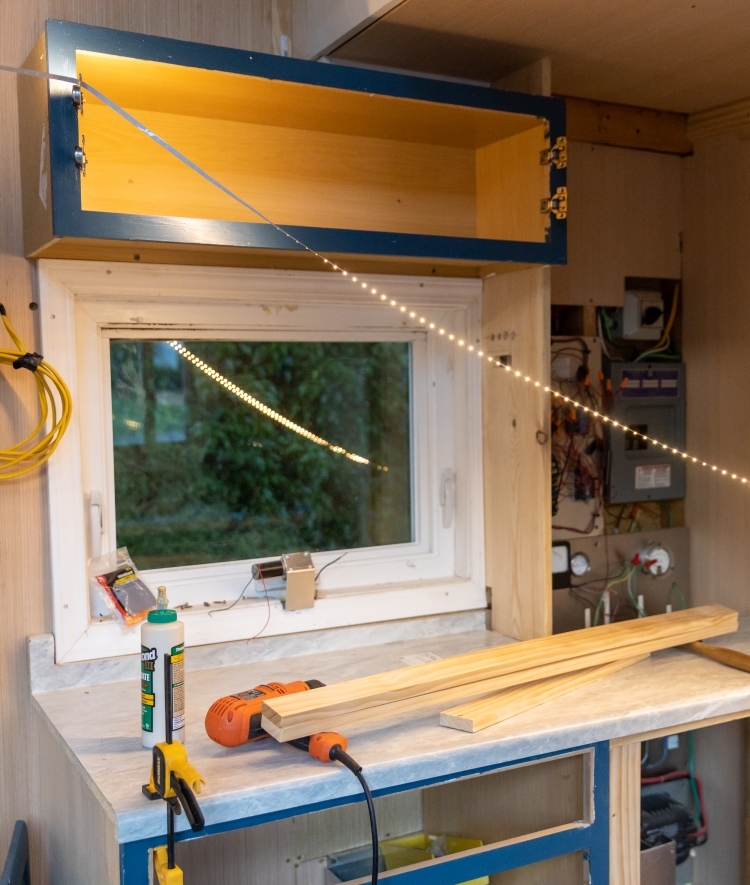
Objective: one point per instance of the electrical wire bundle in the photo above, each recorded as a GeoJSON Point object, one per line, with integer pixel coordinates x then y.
{"type": "Point", "coordinates": [662, 817]}
{"type": "Point", "coordinates": [32, 451]}
{"type": "Point", "coordinates": [578, 440]}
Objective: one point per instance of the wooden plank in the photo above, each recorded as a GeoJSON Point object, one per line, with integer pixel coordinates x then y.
{"type": "Point", "coordinates": [620, 125]}
{"type": "Point", "coordinates": [84, 249]}
{"type": "Point", "coordinates": [648, 634]}
{"type": "Point", "coordinates": [715, 311]}
{"type": "Point", "coordinates": [727, 656]}
{"type": "Point", "coordinates": [517, 522]}
{"type": "Point", "coordinates": [480, 714]}
{"type": "Point", "coordinates": [625, 814]}
{"type": "Point", "coordinates": [731, 118]}
{"type": "Point", "coordinates": [325, 721]}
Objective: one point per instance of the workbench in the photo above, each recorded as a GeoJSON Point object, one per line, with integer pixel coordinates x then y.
{"type": "Point", "coordinates": [588, 743]}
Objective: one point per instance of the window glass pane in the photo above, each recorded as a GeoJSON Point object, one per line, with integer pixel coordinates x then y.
{"type": "Point", "coordinates": [203, 476]}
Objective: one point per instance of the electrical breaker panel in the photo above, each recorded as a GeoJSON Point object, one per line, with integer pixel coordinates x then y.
{"type": "Point", "coordinates": [651, 401]}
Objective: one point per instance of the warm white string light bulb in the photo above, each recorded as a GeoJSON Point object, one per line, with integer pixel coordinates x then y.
{"type": "Point", "coordinates": [265, 410]}
{"type": "Point", "coordinates": [515, 373]}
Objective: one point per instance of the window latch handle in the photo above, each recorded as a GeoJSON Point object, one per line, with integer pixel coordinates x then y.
{"type": "Point", "coordinates": [96, 523]}
{"type": "Point", "coordinates": [448, 496]}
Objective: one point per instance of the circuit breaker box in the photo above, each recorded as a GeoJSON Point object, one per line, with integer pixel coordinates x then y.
{"type": "Point", "coordinates": [652, 401]}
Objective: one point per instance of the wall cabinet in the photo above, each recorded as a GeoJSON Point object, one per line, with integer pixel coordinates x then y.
{"type": "Point", "coordinates": [379, 167]}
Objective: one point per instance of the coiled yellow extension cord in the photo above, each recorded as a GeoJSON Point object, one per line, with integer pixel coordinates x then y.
{"type": "Point", "coordinates": [33, 451]}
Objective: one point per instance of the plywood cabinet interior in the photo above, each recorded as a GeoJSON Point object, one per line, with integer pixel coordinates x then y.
{"type": "Point", "coordinates": [349, 161]}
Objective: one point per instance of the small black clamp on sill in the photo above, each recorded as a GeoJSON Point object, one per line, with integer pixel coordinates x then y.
{"type": "Point", "coordinates": [30, 361]}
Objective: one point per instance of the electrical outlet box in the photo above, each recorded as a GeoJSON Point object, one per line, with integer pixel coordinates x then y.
{"type": "Point", "coordinates": [643, 315]}
{"type": "Point", "coordinates": [652, 402]}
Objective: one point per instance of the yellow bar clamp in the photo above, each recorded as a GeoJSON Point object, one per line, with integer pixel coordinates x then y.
{"type": "Point", "coordinates": [165, 876]}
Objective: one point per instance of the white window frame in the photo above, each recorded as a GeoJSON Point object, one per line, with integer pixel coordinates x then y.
{"type": "Point", "coordinates": [84, 304]}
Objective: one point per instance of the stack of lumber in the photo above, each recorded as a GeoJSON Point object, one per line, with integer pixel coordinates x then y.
{"type": "Point", "coordinates": [502, 681]}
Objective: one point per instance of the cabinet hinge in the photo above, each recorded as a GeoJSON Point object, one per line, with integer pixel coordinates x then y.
{"type": "Point", "coordinates": [557, 155]}
{"type": "Point", "coordinates": [79, 155]}
{"type": "Point", "coordinates": [557, 204]}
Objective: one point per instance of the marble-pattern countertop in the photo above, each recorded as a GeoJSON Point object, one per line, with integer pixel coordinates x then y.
{"type": "Point", "coordinates": [99, 728]}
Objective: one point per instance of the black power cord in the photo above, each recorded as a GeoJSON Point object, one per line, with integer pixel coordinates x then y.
{"type": "Point", "coordinates": [339, 755]}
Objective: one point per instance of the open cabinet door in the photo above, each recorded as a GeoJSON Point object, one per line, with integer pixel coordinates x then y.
{"type": "Point", "coordinates": [516, 422]}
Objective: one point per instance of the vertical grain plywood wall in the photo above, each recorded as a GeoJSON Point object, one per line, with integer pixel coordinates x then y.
{"type": "Point", "coordinates": [625, 221]}
{"type": "Point", "coordinates": [515, 419]}
{"type": "Point", "coordinates": [24, 567]}
{"type": "Point", "coordinates": [716, 329]}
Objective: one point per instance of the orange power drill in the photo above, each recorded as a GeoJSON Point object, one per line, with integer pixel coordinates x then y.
{"type": "Point", "coordinates": [235, 719]}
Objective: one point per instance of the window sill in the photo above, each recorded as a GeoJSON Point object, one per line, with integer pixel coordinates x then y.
{"type": "Point", "coordinates": [339, 609]}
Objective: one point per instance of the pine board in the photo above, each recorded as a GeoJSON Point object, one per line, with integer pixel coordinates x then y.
{"type": "Point", "coordinates": [610, 642]}
{"type": "Point", "coordinates": [480, 714]}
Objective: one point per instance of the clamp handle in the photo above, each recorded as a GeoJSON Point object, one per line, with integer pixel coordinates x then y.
{"type": "Point", "coordinates": [188, 801]}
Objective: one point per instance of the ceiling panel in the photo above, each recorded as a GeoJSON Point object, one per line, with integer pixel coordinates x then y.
{"type": "Point", "coordinates": [679, 55]}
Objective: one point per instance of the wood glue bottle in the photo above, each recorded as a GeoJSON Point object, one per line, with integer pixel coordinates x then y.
{"type": "Point", "coordinates": [162, 634]}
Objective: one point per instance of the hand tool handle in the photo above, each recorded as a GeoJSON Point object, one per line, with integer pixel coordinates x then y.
{"type": "Point", "coordinates": [727, 656]}
{"type": "Point", "coordinates": [189, 803]}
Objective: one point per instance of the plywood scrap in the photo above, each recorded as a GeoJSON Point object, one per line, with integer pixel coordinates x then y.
{"type": "Point", "coordinates": [727, 656]}
{"type": "Point", "coordinates": [295, 715]}
{"type": "Point", "coordinates": [504, 705]}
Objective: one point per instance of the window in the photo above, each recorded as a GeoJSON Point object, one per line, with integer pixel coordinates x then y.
{"type": "Point", "coordinates": [202, 476]}
{"type": "Point", "coordinates": [227, 416]}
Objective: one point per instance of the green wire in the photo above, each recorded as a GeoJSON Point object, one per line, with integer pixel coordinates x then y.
{"type": "Point", "coordinates": [675, 589]}
{"type": "Point", "coordinates": [623, 576]}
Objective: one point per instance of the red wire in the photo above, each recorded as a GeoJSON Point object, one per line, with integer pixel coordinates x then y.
{"type": "Point", "coordinates": [683, 775]}
{"type": "Point", "coordinates": [268, 604]}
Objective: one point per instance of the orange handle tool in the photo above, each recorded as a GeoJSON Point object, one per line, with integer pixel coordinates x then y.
{"type": "Point", "coordinates": [235, 719]}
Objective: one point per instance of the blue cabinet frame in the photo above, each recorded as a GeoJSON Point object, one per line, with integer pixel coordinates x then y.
{"type": "Point", "coordinates": [65, 220]}
{"type": "Point", "coordinates": [592, 838]}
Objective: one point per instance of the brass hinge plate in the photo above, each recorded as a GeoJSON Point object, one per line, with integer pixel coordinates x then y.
{"type": "Point", "coordinates": [557, 204]}
{"type": "Point", "coordinates": [557, 155]}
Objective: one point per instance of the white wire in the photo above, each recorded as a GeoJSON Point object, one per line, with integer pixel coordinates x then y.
{"type": "Point", "coordinates": [647, 353]}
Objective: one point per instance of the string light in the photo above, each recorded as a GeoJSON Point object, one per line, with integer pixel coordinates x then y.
{"type": "Point", "coordinates": [265, 410]}
{"type": "Point", "coordinates": [365, 285]}
{"type": "Point", "coordinates": [515, 373]}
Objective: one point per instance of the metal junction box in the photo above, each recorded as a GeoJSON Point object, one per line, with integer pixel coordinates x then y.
{"type": "Point", "coordinates": [653, 403]}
